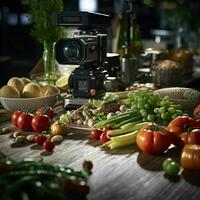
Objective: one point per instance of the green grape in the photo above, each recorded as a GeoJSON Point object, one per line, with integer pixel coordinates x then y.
{"type": "Point", "coordinates": [151, 117]}
{"type": "Point", "coordinates": [156, 110]}
{"type": "Point", "coordinates": [144, 114]}
{"type": "Point", "coordinates": [172, 110]}
{"type": "Point", "coordinates": [164, 115]}
{"type": "Point", "coordinates": [179, 112]}
{"type": "Point", "coordinates": [140, 105]}
{"type": "Point", "coordinates": [178, 106]}
{"type": "Point", "coordinates": [143, 111]}
{"type": "Point", "coordinates": [166, 98]}
{"type": "Point", "coordinates": [161, 109]}
{"type": "Point", "coordinates": [146, 106]}
{"type": "Point", "coordinates": [150, 101]}
{"type": "Point", "coordinates": [133, 106]}
{"type": "Point", "coordinates": [174, 116]}
{"type": "Point", "coordinates": [128, 103]}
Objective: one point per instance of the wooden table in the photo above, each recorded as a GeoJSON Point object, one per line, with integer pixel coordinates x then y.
{"type": "Point", "coordinates": [124, 174]}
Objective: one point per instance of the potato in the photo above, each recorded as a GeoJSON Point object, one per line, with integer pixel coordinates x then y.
{"type": "Point", "coordinates": [9, 91]}
{"type": "Point", "coordinates": [17, 83]}
{"type": "Point", "coordinates": [25, 80]}
{"type": "Point", "coordinates": [31, 90]}
{"type": "Point", "coordinates": [48, 90]}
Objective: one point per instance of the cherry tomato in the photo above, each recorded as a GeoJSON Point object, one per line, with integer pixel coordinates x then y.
{"type": "Point", "coordinates": [153, 139]}
{"type": "Point", "coordinates": [40, 139]}
{"type": "Point", "coordinates": [87, 165]}
{"type": "Point", "coordinates": [24, 121]}
{"type": "Point", "coordinates": [45, 111]}
{"type": "Point", "coordinates": [104, 138]}
{"type": "Point", "coordinates": [171, 167]}
{"type": "Point", "coordinates": [190, 157]}
{"type": "Point", "coordinates": [107, 128]}
{"type": "Point", "coordinates": [93, 92]}
{"type": "Point", "coordinates": [48, 145]}
{"type": "Point", "coordinates": [95, 134]}
{"type": "Point", "coordinates": [40, 123]}
{"type": "Point", "coordinates": [166, 162]}
{"type": "Point", "coordinates": [15, 116]}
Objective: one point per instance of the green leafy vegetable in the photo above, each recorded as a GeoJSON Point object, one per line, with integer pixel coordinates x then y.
{"type": "Point", "coordinates": [41, 17]}
{"type": "Point", "coordinates": [38, 180]}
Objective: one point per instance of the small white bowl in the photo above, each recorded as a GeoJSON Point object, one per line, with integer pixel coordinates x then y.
{"type": "Point", "coordinates": [30, 104]}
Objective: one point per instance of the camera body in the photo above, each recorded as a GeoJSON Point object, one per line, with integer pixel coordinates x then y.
{"type": "Point", "coordinates": [87, 48]}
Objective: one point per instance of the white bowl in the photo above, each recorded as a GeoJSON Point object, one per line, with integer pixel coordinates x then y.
{"type": "Point", "coordinates": [30, 104]}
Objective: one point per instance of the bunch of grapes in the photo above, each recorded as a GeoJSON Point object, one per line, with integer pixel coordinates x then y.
{"type": "Point", "coordinates": [152, 107]}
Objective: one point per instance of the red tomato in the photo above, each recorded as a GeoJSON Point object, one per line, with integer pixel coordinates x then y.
{"type": "Point", "coordinates": [24, 121]}
{"type": "Point", "coordinates": [192, 137]}
{"type": "Point", "coordinates": [40, 139]}
{"type": "Point", "coordinates": [179, 127]}
{"type": "Point", "coordinates": [45, 111]}
{"type": "Point", "coordinates": [93, 92]}
{"type": "Point", "coordinates": [104, 138]}
{"type": "Point", "coordinates": [107, 128]}
{"type": "Point", "coordinates": [95, 134]}
{"type": "Point", "coordinates": [196, 112]}
{"type": "Point", "coordinates": [15, 116]}
{"type": "Point", "coordinates": [87, 165]}
{"type": "Point", "coordinates": [40, 123]}
{"type": "Point", "coordinates": [153, 139]}
{"type": "Point", "coordinates": [190, 157]}
{"type": "Point", "coordinates": [181, 124]}
{"type": "Point", "coordinates": [48, 145]}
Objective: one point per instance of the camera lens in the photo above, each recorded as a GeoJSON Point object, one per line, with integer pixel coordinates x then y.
{"type": "Point", "coordinates": [71, 50]}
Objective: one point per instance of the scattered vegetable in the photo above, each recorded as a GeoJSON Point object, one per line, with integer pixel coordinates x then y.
{"type": "Point", "coordinates": [171, 167]}
{"type": "Point", "coordinates": [57, 138]}
{"type": "Point", "coordinates": [15, 116]}
{"type": "Point", "coordinates": [87, 166]}
{"type": "Point", "coordinates": [191, 137]}
{"type": "Point", "coordinates": [24, 121]}
{"type": "Point", "coordinates": [30, 138]}
{"type": "Point", "coordinates": [45, 111]}
{"type": "Point", "coordinates": [153, 138]}
{"type": "Point", "coordinates": [95, 134]}
{"type": "Point", "coordinates": [190, 157]}
{"type": "Point", "coordinates": [40, 139]}
{"type": "Point", "coordinates": [38, 180]}
{"type": "Point", "coordinates": [181, 124]}
{"type": "Point", "coordinates": [48, 145]}
{"type": "Point", "coordinates": [40, 123]}
{"type": "Point", "coordinates": [104, 138]}
{"type": "Point", "coordinates": [180, 127]}
{"type": "Point", "coordinates": [130, 127]}
{"type": "Point", "coordinates": [59, 128]}
{"type": "Point", "coordinates": [121, 140]}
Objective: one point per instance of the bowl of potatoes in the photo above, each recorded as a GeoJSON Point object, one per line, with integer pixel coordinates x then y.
{"type": "Point", "coordinates": [22, 94]}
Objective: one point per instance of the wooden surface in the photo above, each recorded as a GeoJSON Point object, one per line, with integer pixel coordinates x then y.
{"type": "Point", "coordinates": [124, 174]}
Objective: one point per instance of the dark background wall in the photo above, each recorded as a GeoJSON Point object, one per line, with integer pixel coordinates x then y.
{"type": "Point", "coordinates": [19, 51]}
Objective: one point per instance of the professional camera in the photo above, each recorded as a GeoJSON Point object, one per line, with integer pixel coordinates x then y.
{"type": "Point", "coordinates": [87, 48]}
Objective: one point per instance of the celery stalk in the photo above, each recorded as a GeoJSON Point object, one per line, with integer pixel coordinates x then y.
{"type": "Point", "coordinates": [115, 145]}
{"type": "Point", "coordinates": [130, 127]}
{"type": "Point", "coordinates": [125, 138]}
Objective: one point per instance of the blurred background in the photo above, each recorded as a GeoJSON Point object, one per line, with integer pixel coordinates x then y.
{"type": "Point", "coordinates": [161, 24]}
